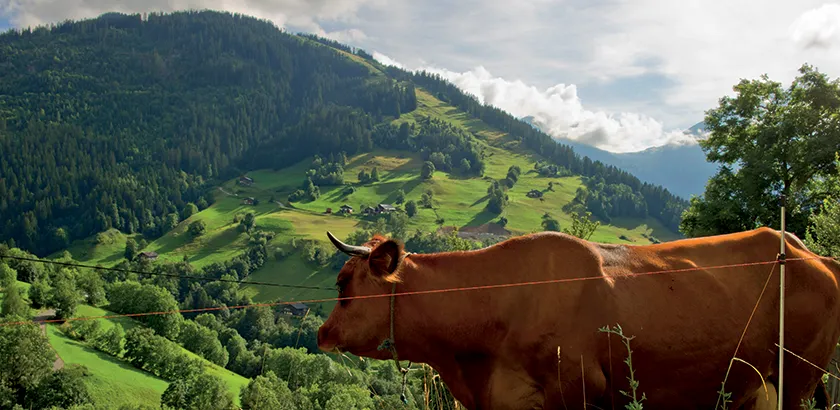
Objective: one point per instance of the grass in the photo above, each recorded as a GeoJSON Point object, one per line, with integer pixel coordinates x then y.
{"type": "Point", "coordinates": [106, 248]}
{"type": "Point", "coordinates": [294, 271]}
{"type": "Point", "coordinates": [112, 382]}
{"type": "Point", "coordinates": [307, 225]}
{"type": "Point", "coordinates": [106, 324]}
{"type": "Point", "coordinates": [459, 201]}
{"type": "Point", "coordinates": [429, 106]}
{"type": "Point", "coordinates": [636, 403]}
{"type": "Point", "coordinates": [234, 381]}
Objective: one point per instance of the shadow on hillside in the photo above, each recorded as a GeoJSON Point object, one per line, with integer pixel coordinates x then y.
{"type": "Point", "coordinates": [338, 196]}
{"type": "Point", "coordinates": [388, 188]}
{"type": "Point", "coordinates": [481, 218]}
{"type": "Point", "coordinates": [480, 200]}
{"type": "Point", "coordinates": [359, 160]}
{"type": "Point", "coordinates": [391, 198]}
{"type": "Point", "coordinates": [112, 258]}
{"type": "Point", "coordinates": [458, 176]}
{"type": "Point", "coordinates": [413, 165]}
{"type": "Point", "coordinates": [172, 242]}
{"type": "Point", "coordinates": [205, 248]}
{"type": "Point", "coordinates": [409, 186]}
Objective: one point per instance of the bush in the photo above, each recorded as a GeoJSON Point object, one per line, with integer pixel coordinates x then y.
{"type": "Point", "coordinates": [197, 228]}
{"type": "Point", "coordinates": [428, 170]}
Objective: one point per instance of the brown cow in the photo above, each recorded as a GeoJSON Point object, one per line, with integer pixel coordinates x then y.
{"type": "Point", "coordinates": [538, 346]}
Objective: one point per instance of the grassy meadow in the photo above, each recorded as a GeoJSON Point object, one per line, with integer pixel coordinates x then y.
{"type": "Point", "coordinates": [458, 202]}
{"type": "Point", "coordinates": [112, 382]}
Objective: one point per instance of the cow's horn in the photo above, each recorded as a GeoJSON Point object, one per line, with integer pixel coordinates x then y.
{"type": "Point", "coordinates": [351, 250]}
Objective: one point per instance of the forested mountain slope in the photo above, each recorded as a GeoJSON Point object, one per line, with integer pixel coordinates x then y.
{"type": "Point", "coordinates": [124, 120]}
{"type": "Point", "coordinates": [120, 121]}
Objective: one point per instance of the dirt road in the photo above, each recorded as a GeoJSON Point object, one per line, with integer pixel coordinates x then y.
{"type": "Point", "coordinates": [43, 315]}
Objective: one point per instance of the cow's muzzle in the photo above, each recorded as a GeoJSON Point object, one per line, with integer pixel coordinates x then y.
{"type": "Point", "coordinates": [325, 343]}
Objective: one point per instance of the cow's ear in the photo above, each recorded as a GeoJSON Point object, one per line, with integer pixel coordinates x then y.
{"type": "Point", "coordinates": [385, 259]}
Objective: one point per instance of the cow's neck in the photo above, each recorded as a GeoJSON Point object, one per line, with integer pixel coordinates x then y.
{"type": "Point", "coordinates": [427, 325]}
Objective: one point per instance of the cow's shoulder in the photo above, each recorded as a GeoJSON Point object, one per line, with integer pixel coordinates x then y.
{"type": "Point", "coordinates": [613, 255]}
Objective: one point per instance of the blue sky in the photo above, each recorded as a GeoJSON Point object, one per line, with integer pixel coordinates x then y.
{"type": "Point", "coordinates": [623, 75]}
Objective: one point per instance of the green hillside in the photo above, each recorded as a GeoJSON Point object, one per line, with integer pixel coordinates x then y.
{"type": "Point", "coordinates": [459, 201]}
{"type": "Point", "coordinates": [144, 152]}
{"type": "Point", "coordinates": [111, 382]}
{"type": "Point", "coordinates": [234, 381]}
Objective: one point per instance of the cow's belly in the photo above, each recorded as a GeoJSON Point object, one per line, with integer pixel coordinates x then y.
{"type": "Point", "coordinates": [512, 389]}
{"type": "Point", "coordinates": [687, 329]}
{"type": "Point", "coordinates": [685, 334]}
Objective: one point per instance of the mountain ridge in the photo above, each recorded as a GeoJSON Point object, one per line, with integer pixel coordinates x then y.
{"type": "Point", "coordinates": [682, 169]}
{"type": "Point", "coordinates": [209, 111]}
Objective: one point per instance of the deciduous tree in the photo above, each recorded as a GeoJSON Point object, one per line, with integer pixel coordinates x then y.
{"type": "Point", "coordinates": [770, 140]}
{"type": "Point", "coordinates": [582, 226]}
{"type": "Point", "coordinates": [428, 170]}
{"type": "Point", "coordinates": [823, 235]}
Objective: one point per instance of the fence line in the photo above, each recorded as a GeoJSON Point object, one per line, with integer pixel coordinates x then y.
{"type": "Point", "coordinates": [423, 292]}
{"type": "Point", "coordinates": [832, 386]}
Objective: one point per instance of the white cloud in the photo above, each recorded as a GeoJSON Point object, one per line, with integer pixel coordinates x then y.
{"type": "Point", "coordinates": [669, 59]}
{"type": "Point", "coordinates": [559, 111]}
{"type": "Point", "coordinates": [351, 36]}
{"type": "Point", "coordinates": [819, 27]}
{"type": "Point", "coordinates": [707, 47]}
{"type": "Point", "coordinates": [382, 58]}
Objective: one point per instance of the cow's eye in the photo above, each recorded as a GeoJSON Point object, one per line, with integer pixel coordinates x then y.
{"type": "Point", "coordinates": [340, 287]}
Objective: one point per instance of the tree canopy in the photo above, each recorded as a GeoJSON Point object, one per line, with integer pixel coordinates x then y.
{"type": "Point", "coordinates": [770, 141]}
{"type": "Point", "coordinates": [120, 121]}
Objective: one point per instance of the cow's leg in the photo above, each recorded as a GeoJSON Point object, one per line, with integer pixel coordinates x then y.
{"type": "Point", "coordinates": [452, 375]}
{"type": "Point", "coordinates": [761, 399]}
{"type": "Point", "coordinates": [801, 382]}
{"type": "Point", "coordinates": [821, 396]}
{"type": "Point", "coordinates": [564, 387]}
{"type": "Point", "coordinates": [511, 388]}
{"type": "Point", "coordinates": [497, 385]}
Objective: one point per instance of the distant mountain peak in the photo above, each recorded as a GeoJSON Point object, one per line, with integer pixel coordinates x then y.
{"type": "Point", "coordinates": [681, 168]}
{"type": "Point", "coordinates": [699, 130]}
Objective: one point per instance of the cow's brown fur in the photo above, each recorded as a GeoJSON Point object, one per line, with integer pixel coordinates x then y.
{"type": "Point", "coordinates": [498, 348]}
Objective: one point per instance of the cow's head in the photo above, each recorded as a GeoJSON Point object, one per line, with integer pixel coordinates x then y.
{"type": "Point", "coordinates": [359, 326]}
